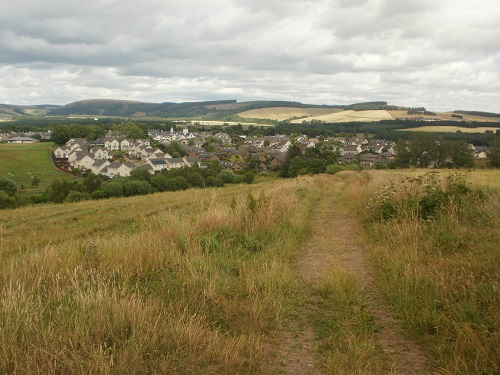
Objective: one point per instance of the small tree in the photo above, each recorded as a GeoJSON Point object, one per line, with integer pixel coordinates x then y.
{"type": "Point", "coordinates": [35, 181]}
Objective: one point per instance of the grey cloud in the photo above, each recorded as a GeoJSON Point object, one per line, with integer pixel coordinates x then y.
{"type": "Point", "coordinates": [330, 51]}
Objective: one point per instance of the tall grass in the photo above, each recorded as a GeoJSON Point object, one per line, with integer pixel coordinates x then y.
{"type": "Point", "coordinates": [189, 283]}
{"type": "Point", "coordinates": [435, 242]}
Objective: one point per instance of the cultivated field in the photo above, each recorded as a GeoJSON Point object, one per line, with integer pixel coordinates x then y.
{"type": "Point", "coordinates": [348, 116]}
{"type": "Point", "coordinates": [20, 162]}
{"type": "Point", "coordinates": [443, 116]}
{"type": "Point", "coordinates": [284, 113]}
{"type": "Point", "coordinates": [450, 129]}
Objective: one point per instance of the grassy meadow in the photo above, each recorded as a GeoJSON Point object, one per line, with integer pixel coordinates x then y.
{"type": "Point", "coordinates": [434, 240]}
{"type": "Point", "coordinates": [192, 282]}
{"type": "Point", "coordinates": [19, 162]}
{"type": "Point", "coordinates": [205, 281]}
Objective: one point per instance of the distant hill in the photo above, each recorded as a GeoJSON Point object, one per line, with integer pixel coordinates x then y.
{"type": "Point", "coordinates": [205, 109]}
{"type": "Point", "coordinates": [23, 110]}
{"type": "Point", "coordinates": [232, 110]}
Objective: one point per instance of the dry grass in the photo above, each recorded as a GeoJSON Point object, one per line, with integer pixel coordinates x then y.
{"type": "Point", "coordinates": [191, 282]}
{"type": "Point", "coordinates": [449, 129]}
{"type": "Point", "coordinates": [348, 116]}
{"type": "Point", "coordinates": [284, 113]}
{"type": "Point", "coordinates": [442, 116]}
{"type": "Point", "coordinates": [440, 275]}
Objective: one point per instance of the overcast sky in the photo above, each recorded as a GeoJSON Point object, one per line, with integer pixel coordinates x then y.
{"type": "Point", "coordinates": [441, 54]}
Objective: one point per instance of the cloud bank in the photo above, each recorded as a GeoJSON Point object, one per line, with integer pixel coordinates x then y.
{"type": "Point", "coordinates": [443, 54]}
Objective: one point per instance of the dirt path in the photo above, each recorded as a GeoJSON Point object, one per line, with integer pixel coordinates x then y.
{"type": "Point", "coordinates": [337, 242]}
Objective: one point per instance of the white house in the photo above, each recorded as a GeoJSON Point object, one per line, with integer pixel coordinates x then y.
{"type": "Point", "coordinates": [157, 164]}
{"type": "Point", "coordinates": [22, 140]}
{"type": "Point", "coordinates": [85, 161]}
{"type": "Point", "coordinates": [98, 166]}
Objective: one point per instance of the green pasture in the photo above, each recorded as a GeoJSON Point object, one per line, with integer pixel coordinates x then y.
{"type": "Point", "coordinates": [21, 162]}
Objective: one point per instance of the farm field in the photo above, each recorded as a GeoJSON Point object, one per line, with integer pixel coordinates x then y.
{"type": "Point", "coordinates": [450, 129]}
{"type": "Point", "coordinates": [348, 116]}
{"type": "Point", "coordinates": [19, 162]}
{"type": "Point", "coordinates": [284, 113]}
{"type": "Point", "coordinates": [443, 116]}
{"type": "Point", "coordinates": [282, 276]}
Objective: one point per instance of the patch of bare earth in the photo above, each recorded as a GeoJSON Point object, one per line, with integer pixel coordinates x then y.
{"type": "Point", "coordinates": [336, 242]}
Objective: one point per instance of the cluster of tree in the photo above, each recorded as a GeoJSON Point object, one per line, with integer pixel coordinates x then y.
{"type": "Point", "coordinates": [62, 133]}
{"type": "Point", "coordinates": [478, 113]}
{"type": "Point", "coordinates": [311, 161]}
{"type": "Point", "coordinates": [495, 153]}
{"type": "Point", "coordinates": [422, 150]}
{"type": "Point", "coordinates": [140, 182]}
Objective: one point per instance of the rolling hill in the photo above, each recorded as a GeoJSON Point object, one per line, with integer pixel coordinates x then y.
{"type": "Point", "coordinates": [232, 110]}
{"type": "Point", "coordinates": [8, 110]}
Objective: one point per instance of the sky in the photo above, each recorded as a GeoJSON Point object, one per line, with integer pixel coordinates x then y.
{"type": "Point", "coordinates": [440, 54]}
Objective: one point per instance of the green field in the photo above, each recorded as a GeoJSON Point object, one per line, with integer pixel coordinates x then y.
{"type": "Point", "coordinates": [19, 162]}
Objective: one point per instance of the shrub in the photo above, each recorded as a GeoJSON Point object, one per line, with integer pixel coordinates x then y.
{"type": "Point", "coordinates": [8, 186]}
{"type": "Point", "coordinates": [6, 201]}
{"type": "Point", "coordinates": [76, 196]}
{"type": "Point", "coordinates": [227, 177]}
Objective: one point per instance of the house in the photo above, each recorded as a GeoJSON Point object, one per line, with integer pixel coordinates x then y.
{"type": "Point", "coordinates": [118, 169]}
{"type": "Point", "coordinates": [368, 159]}
{"type": "Point", "coordinates": [350, 149]}
{"type": "Point", "coordinates": [481, 152]}
{"type": "Point", "coordinates": [99, 153]}
{"type": "Point", "coordinates": [73, 156]}
{"type": "Point", "coordinates": [22, 140]}
{"type": "Point", "coordinates": [193, 160]}
{"type": "Point", "coordinates": [98, 166]}
{"type": "Point", "coordinates": [112, 145]}
{"type": "Point", "coordinates": [157, 164]}
{"type": "Point", "coordinates": [208, 156]}
{"type": "Point", "coordinates": [126, 144]}
{"type": "Point", "coordinates": [346, 159]}
{"type": "Point", "coordinates": [84, 162]}
{"type": "Point", "coordinates": [62, 152]}
{"type": "Point", "coordinates": [176, 163]}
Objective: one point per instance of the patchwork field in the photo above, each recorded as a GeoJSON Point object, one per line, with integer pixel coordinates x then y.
{"type": "Point", "coordinates": [337, 115]}
{"type": "Point", "coordinates": [450, 129]}
{"type": "Point", "coordinates": [284, 113]}
{"type": "Point", "coordinates": [21, 162]}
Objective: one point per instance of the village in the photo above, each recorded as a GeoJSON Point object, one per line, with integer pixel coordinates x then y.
{"type": "Point", "coordinates": [115, 155]}
{"type": "Point", "coordinates": [112, 156]}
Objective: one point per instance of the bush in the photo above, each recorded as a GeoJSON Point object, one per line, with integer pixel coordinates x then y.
{"type": "Point", "coordinates": [248, 178]}
{"type": "Point", "coordinates": [6, 200]}
{"type": "Point", "coordinates": [8, 186]}
{"type": "Point", "coordinates": [334, 168]}
{"type": "Point", "coordinates": [76, 196]}
{"type": "Point", "coordinates": [227, 176]}
{"type": "Point", "coordinates": [113, 189]}
{"type": "Point", "coordinates": [136, 187]}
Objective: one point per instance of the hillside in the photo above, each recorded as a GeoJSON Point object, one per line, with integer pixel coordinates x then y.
{"type": "Point", "coordinates": [232, 110]}
{"type": "Point", "coordinates": [7, 110]}
{"type": "Point", "coordinates": [261, 279]}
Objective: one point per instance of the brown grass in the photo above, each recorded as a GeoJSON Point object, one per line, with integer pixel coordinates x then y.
{"type": "Point", "coordinates": [440, 275]}
{"type": "Point", "coordinates": [188, 282]}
